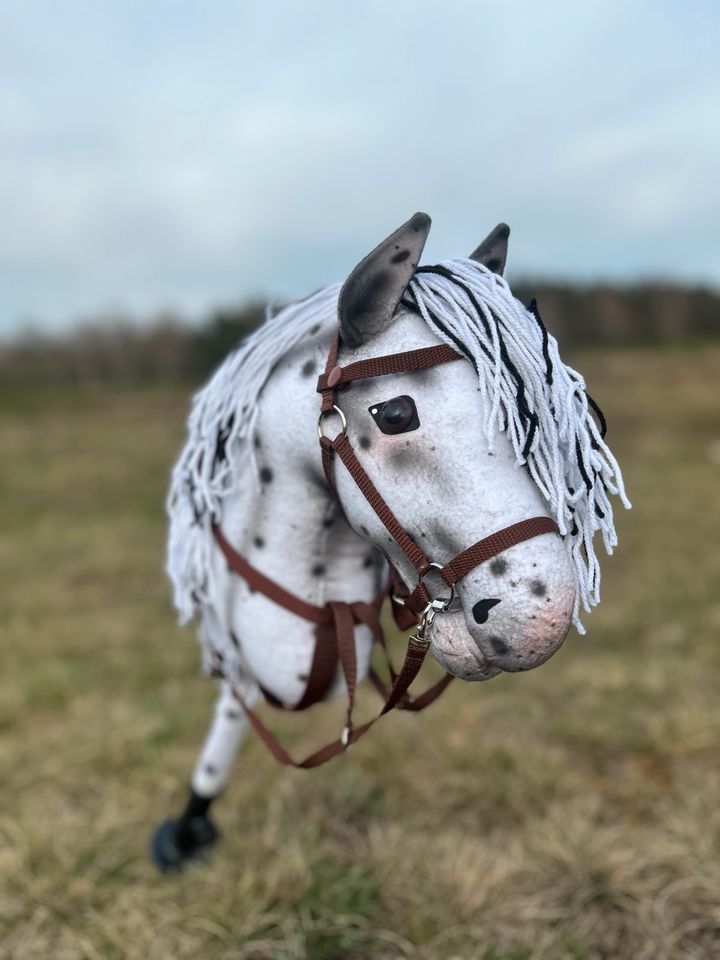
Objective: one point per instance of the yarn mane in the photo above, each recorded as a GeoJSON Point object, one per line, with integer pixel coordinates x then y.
{"type": "Point", "coordinates": [528, 392]}
{"type": "Point", "coordinates": [219, 449]}
{"type": "Point", "coordinates": [537, 400]}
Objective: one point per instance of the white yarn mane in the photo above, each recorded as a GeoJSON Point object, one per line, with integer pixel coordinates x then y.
{"type": "Point", "coordinates": [219, 447]}
{"type": "Point", "coordinates": [536, 399]}
{"type": "Point", "coordinates": [528, 392]}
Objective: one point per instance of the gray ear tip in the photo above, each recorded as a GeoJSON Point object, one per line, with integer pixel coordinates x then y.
{"type": "Point", "coordinates": [492, 252]}
{"type": "Point", "coordinates": [419, 221]}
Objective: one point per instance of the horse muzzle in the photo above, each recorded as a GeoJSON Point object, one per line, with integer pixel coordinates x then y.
{"type": "Point", "coordinates": [516, 636]}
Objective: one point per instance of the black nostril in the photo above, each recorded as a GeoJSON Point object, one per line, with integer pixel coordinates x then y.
{"type": "Point", "coordinates": [482, 608]}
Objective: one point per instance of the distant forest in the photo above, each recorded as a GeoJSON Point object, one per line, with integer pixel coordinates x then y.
{"type": "Point", "coordinates": [121, 349]}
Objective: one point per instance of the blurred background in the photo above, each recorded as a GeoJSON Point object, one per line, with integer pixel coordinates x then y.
{"type": "Point", "coordinates": [165, 171]}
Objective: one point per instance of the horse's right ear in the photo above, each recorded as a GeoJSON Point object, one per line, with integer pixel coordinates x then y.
{"type": "Point", "coordinates": [372, 292]}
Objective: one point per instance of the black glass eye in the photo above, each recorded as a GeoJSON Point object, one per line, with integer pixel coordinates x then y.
{"type": "Point", "coordinates": [395, 416]}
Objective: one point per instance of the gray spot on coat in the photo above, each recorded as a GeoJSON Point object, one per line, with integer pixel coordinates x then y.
{"type": "Point", "coordinates": [499, 646]}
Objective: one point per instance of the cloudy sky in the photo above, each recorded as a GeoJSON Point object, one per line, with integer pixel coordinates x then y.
{"type": "Point", "coordinates": [163, 154]}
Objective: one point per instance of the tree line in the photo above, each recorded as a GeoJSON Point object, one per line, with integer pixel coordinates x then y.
{"type": "Point", "coordinates": [122, 349]}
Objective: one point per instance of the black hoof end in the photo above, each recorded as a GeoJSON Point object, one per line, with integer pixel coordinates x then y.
{"type": "Point", "coordinates": [176, 843]}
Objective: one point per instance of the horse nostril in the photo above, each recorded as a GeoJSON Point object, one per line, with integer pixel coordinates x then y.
{"type": "Point", "coordinates": [482, 608]}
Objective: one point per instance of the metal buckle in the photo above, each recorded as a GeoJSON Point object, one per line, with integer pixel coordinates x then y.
{"type": "Point", "coordinates": [323, 413]}
{"type": "Point", "coordinates": [428, 614]}
{"type": "Point", "coordinates": [439, 604]}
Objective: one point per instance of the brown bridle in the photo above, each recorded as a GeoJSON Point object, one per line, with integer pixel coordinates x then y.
{"type": "Point", "coordinates": [335, 634]}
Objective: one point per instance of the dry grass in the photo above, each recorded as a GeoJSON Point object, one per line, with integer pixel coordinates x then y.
{"type": "Point", "coordinates": [569, 814]}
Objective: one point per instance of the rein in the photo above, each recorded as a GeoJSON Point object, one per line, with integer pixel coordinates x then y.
{"type": "Point", "coordinates": [336, 621]}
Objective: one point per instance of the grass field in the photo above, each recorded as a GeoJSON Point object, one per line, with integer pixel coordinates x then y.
{"type": "Point", "coordinates": [572, 812]}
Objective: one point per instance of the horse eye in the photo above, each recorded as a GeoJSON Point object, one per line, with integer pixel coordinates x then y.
{"type": "Point", "coordinates": [395, 416]}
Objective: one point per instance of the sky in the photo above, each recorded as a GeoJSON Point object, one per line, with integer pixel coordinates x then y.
{"type": "Point", "coordinates": [176, 156]}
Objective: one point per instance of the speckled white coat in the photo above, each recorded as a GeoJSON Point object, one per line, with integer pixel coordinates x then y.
{"type": "Point", "coordinates": [443, 481]}
{"type": "Point", "coordinates": [444, 485]}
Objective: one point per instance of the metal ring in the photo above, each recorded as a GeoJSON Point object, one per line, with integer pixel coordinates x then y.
{"type": "Point", "coordinates": [446, 601]}
{"type": "Point", "coordinates": [323, 413]}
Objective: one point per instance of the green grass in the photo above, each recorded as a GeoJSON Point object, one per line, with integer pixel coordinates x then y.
{"type": "Point", "coordinates": [570, 813]}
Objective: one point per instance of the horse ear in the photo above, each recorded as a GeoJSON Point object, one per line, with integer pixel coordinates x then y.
{"type": "Point", "coordinates": [492, 252]}
{"type": "Point", "coordinates": [372, 292]}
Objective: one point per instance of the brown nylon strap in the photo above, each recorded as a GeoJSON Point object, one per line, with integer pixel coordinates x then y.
{"type": "Point", "coordinates": [327, 452]}
{"type": "Point", "coordinates": [322, 669]}
{"type": "Point", "coordinates": [415, 555]}
{"type": "Point", "coordinates": [413, 704]}
{"type": "Point", "coordinates": [481, 551]}
{"type": "Point", "coordinates": [416, 704]}
{"type": "Point", "coordinates": [362, 612]}
{"type": "Point", "coordinates": [414, 658]}
{"type": "Point", "coordinates": [420, 359]}
{"type": "Point", "coordinates": [328, 393]}
{"type": "Point", "coordinates": [345, 638]}
{"type": "Point", "coordinates": [322, 672]}
{"type": "Point", "coordinates": [334, 636]}
{"type": "Point", "coordinates": [404, 617]}
{"type": "Point", "coordinates": [418, 599]}
{"type": "Point", "coordinates": [273, 591]}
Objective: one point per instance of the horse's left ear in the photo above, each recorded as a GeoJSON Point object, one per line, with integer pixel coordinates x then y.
{"type": "Point", "coordinates": [492, 252]}
{"type": "Point", "coordinates": [372, 292]}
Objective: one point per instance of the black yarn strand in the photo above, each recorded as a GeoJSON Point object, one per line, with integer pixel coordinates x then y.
{"type": "Point", "coordinates": [535, 311]}
{"type": "Point", "coordinates": [599, 414]}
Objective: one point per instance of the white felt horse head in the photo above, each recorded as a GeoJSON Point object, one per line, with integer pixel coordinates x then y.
{"type": "Point", "coordinates": [457, 451]}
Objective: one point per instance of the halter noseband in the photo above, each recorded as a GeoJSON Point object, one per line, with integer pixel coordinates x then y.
{"type": "Point", "coordinates": [336, 620]}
